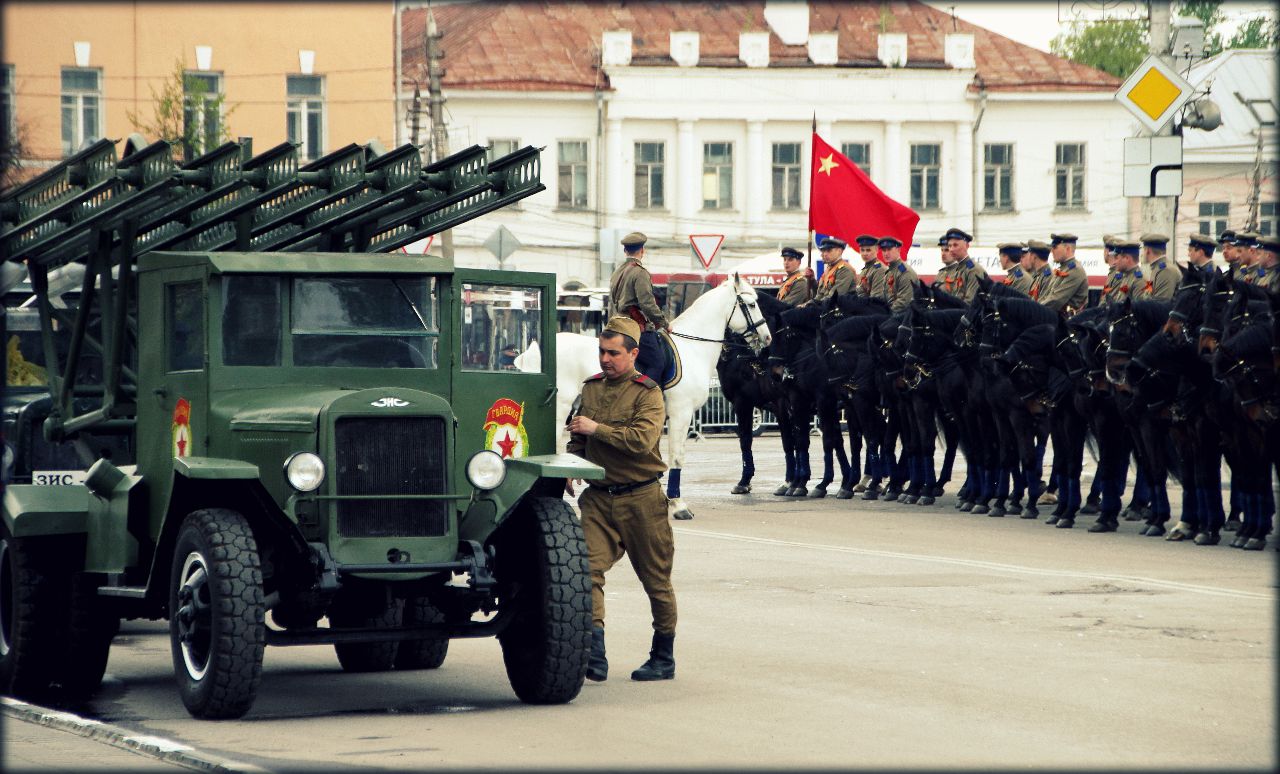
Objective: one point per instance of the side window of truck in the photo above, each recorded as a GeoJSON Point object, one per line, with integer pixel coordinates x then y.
{"type": "Point", "coordinates": [185, 327]}
{"type": "Point", "coordinates": [499, 322]}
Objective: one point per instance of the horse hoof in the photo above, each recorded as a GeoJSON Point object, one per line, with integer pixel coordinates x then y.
{"type": "Point", "coordinates": [1231, 525]}
{"type": "Point", "coordinates": [1155, 530]}
{"type": "Point", "coordinates": [1030, 513]}
{"type": "Point", "coordinates": [797, 491]}
{"type": "Point", "coordinates": [966, 507]}
{"type": "Point", "coordinates": [1255, 544]}
{"type": "Point", "coordinates": [926, 500]}
{"type": "Point", "coordinates": [871, 494]}
{"type": "Point", "coordinates": [862, 485]}
{"type": "Point", "coordinates": [782, 490]}
{"type": "Point", "coordinates": [1104, 526]}
{"type": "Point", "coordinates": [937, 491]}
{"type": "Point", "coordinates": [1049, 498]}
{"type": "Point", "coordinates": [1088, 509]}
{"type": "Point", "coordinates": [741, 489]}
{"type": "Point", "coordinates": [980, 509]}
{"type": "Point", "coordinates": [1180, 531]}
{"type": "Point", "coordinates": [960, 504]}
{"type": "Point", "coordinates": [1240, 541]}
{"type": "Point", "coordinates": [817, 493]}
{"type": "Point", "coordinates": [996, 510]}
{"type": "Point", "coordinates": [1207, 539]}
{"type": "Point", "coordinates": [1052, 520]}
{"type": "Point", "coordinates": [844, 494]}
{"type": "Point", "coordinates": [682, 515]}
{"type": "Point", "coordinates": [1132, 514]}
{"type": "Point", "coordinates": [911, 499]}
{"type": "Point", "coordinates": [1065, 523]}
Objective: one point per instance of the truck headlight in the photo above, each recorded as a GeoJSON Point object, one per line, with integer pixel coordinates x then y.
{"type": "Point", "coordinates": [486, 470]}
{"type": "Point", "coordinates": [304, 471]}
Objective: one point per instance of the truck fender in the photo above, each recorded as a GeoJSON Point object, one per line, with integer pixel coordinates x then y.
{"type": "Point", "coordinates": [35, 511]}
{"type": "Point", "coordinates": [542, 475]}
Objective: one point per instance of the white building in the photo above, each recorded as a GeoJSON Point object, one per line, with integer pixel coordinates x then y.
{"type": "Point", "coordinates": [679, 118]}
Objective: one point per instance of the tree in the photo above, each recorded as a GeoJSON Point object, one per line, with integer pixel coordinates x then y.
{"type": "Point", "coordinates": [1115, 46]}
{"type": "Point", "coordinates": [186, 114]}
{"type": "Point", "coordinates": [1257, 32]}
{"type": "Point", "coordinates": [1210, 13]}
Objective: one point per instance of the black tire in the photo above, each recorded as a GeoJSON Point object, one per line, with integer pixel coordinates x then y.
{"type": "Point", "coordinates": [422, 654]}
{"type": "Point", "coordinates": [92, 627]}
{"type": "Point", "coordinates": [366, 606]}
{"type": "Point", "coordinates": [33, 623]}
{"type": "Point", "coordinates": [217, 617]}
{"type": "Point", "coordinates": [542, 565]}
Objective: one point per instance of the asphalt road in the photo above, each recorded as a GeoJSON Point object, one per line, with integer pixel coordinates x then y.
{"type": "Point", "coordinates": [815, 634]}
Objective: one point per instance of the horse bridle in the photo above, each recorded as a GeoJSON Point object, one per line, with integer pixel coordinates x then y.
{"type": "Point", "coordinates": [751, 333]}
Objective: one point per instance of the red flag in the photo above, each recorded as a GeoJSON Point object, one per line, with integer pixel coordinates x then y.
{"type": "Point", "coordinates": [843, 202]}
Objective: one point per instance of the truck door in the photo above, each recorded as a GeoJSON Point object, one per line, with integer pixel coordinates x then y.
{"type": "Point", "coordinates": [504, 362]}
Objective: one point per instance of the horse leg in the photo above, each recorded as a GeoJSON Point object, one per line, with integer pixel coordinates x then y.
{"type": "Point", "coordinates": [678, 422]}
{"type": "Point", "coordinates": [951, 432]}
{"type": "Point", "coordinates": [801, 420]}
{"type": "Point", "coordinates": [1073, 431]}
{"type": "Point", "coordinates": [850, 465]}
{"type": "Point", "coordinates": [743, 428]}
{"type": "Point", "coordinates": [786, 430]}
{"type": "Point", "coordinates": [828, 426]}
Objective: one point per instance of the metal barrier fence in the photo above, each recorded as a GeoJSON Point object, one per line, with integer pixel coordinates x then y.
{"type": "Point", "coordinates": [716, 415]}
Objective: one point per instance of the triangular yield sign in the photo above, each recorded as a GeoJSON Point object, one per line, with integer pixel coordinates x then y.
{"type": "Point", "coordinates": [425, 247]}
{"type": "Point", "coordinates": [706, 246]}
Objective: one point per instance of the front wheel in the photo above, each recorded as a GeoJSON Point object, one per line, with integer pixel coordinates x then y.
{"type": "Point", "coordinates": [366, 606]}
{"type": "Point", "coordinates": [544, 574]}
{"type": "Point", "coordinates": [422, 654]}
{"type": "Point", "coordinates": [217, 628]}
{"type": "Point", "coordinates": [32, 618]}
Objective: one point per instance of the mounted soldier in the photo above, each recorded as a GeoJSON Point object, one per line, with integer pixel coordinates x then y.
{"type": "Point", "coordinates": [796, 289]}
{"type": "Point", "coordinates": [838, 277]}
{"type": "Point", "coordinates": [631, 295]}
{"type": "Point", "coordinates": [873, 281]}
{"type": "Point", "coordinates": [945, 278]}
{"type": "Point", "coordinates": [1128, 281]}
{"type": "Point", "coordinates": [1200, 255]}
{"type": "Point", "coordinates": [1010, 261]}
{"type": "Point", "coordinates": [1035, 261]}
{"type": "Point", "coordinates": [1163, 275]}
{"type": "Point", "coordinates": [902, 281]}
{"type": "Point", "coordinates": [965, 272]}
{"type": "Point", "coordinates": [1069, 290]}
{"type": "Point", "coordinates": [1266, 270]}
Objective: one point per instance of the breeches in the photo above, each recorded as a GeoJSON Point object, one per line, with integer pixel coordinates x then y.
{"type": "Point", "coordinates": [634, 524]}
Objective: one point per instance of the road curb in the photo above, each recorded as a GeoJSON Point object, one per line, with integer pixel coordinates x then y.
{"type": "Point", "coordinates": [155, 747]}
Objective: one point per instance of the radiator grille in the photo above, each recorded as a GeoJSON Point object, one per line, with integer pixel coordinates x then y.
{"type": "Point", "coordinates": [391, 456]}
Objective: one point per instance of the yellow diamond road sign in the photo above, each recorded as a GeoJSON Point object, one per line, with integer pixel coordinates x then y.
{"type": "Point", "coordinates": [1154, 93]}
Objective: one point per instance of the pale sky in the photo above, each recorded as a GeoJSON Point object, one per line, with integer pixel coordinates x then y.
{"type": "Point", "coordinates": [1035, 22]}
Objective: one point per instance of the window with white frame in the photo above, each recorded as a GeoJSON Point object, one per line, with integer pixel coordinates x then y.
{"type": "Point", "coordinates": [926, 174]}
{"type": "Point", "coordinates": [306, 113]}
{"type": "Point", "coordinates": [786, 176]}
{"type": "Point", "coordinates": [717, 175]}
{"type": "Point", "coordinates": [572, 158]}
{"type": "Point", "coordinates": [81, 107]}
{"type": "Point", "coordinates": [859, 153]}
{"type": "Point", "coordinates": [997, 176]}
{"type": "Point", "coordinates": [499, 148]}
{"type": "Point", "coordinates": [1213, 218]}
{"type": "Point", "coordinates": [1068, 175]}
{"type": "Point", "coordinates": [201, 113]}
{"type": "Point", "coordinates": [651, 172]}
{"type": "Point", "coordinates": [1267, 223]}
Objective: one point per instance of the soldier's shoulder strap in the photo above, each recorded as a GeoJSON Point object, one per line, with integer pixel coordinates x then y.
{"type": "Point", "coordinates": [596, 378]}
{"type": "Point", "coordinates": [646, 381]}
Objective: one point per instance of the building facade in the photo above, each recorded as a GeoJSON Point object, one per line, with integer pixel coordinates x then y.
{"type": "Point", "coordinates": [319, 74]}
{"type": "Point", "coordinates": [677, 119]}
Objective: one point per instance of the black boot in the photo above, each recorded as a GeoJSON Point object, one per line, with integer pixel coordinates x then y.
{"type": "Point", "coordinates": [597, 664]}
{"type": "Point", "coordinates": [662, 662]}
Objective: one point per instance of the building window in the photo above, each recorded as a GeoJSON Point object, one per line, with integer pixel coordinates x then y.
{"type": "Point", "coordinates": [1069, 175]}
{"type": "Point", "coordinates": [1267, 223]}
{"type": "Point", "coordinates": [926, 169]}
{"type": "Point", "coordinates": [499, 148]}
{"type": "Point", "coordinates": [650, 173]}
{"type": "Point", "coordinates": [573, 174]}
{"type": "Point", "coordinates": [786, 175]}
{"type": "Point", "coordinates": [1213, 218]}
{"type": "Point", "coordinates": [306, 113]}
{"type": "Point", "coordinates": [81, 108]}
{"type": "Point", "coordinates": [201, 113]}
{"type": "Point", "coordinates": [859, 153]}
{"type": "Point", "coordinates": [717, 175]}
{"type": "Point", "coordinates": [997, 177]}
{"type": "Point", "coordinates": [8, 127]}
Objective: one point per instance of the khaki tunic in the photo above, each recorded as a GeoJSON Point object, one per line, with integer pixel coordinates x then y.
{"type": "Point", "coordinates": [1040, 281]}
{"type": "Point", "coordinates": [1267, 278]}
{"type": "Point", "coordinates": [1126, 284]}
{"type": "Point", "coordinates": [874, 280]}
{"type": "Point", "coordinates": [1069, 288]}
{"type": "Point", "coordinates": [632, 288]}
{"type": "Point", "coordinates": [837, 278]}
{"type": "Point", "coordinates": [795, 290]}
{"type": "Point", "coordinates": [1163, 278]}
{"type": "Point", "coordinates": [945, 279]}
{"type": "Point", "coordinates": [630, 413]}
{"type": "Point", "coordinates": [902, 282]}
{"type": "Point", "coordinates": [966, 273]}
{"type": "Point", "coordinates": [1018, 279]}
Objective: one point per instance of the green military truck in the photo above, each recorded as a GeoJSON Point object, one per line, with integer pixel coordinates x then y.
{"type": "Point", "coordinates": [230, 405]}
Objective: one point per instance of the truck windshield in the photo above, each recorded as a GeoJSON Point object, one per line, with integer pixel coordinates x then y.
{"type": "Point", "coordinates": [366, 322]}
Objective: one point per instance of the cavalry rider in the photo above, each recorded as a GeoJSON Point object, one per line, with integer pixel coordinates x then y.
{"type": "Point", "coordinates": [1035, 261]}
{"type": "Point", "coordinates": [1266, 272]}
{"type": "Point", "coordinates": [1069, 290]}
{"type": "Point", "coordinates": [1127, 281]}
{"type": "Point", "coordinates": [902, 280]}
{"type": "Point", "coordinates": [873, 283]}
{"type": "Point", "coordinates": [1163, 275]}
{"type": "Point", "coordinates": [1010, 260]}
{"type": "Point", "coordinates": [631, 295]}
{"type": "Point", "coordinates": [1247, 254]}
{"type": "Point", "coordinates": [838, 277]}
{"type": "Point", "coordinates": [1200, 255]}
{"type": "Point", "coordinates": [1109, 258]}
{"type": "Point", "coordinates": [965, 272]}
{"type": "Point", "coordinates": [795, 289]}
{"type": "Point", "coordinates": [945, 277]}
{"type": "Point", "coordinates": [1227, 242]}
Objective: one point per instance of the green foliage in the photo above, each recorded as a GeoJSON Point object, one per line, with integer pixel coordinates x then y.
{"type": "Point", "coordinates": [1209, 12]}
{"type": "Point", "coordinates": [1115, 47]}
{"type": "Point", "coordinates": [1257, 32]}
{"type": "Point", "coordinates": [185, 114]}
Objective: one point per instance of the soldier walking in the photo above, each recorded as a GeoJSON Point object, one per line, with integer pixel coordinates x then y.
{"type": "Point", "coordinates": [795, 289]}
{"type": "Point", "coordinates": [1163, 275]}
{"type": "Point", "coordinates": [619, 428]}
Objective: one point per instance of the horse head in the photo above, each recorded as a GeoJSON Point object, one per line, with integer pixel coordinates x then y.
{"type": "Point", "coordinates": [746, 317]}
{"type": "Point", "coordinates": [1188, 303]}
{"type": "Point", "coordinates": [1218, 295]}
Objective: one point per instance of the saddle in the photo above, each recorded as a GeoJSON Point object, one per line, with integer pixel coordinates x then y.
{"type": "Point", "coordinates": [659, 359]}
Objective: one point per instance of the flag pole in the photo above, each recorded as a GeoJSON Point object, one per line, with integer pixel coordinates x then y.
{"type": "Point", "coordinates": [808, 250]}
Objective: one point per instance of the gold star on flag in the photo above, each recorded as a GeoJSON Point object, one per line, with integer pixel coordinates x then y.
{"type": "Point", "coordinates": [826, 165]}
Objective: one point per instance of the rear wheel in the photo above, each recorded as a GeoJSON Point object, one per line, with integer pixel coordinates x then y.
{"type": "Point", "coordinates": [217, 616]}
{"type": "Point", "coordinates": [92, 626]}
{"type": "Point", "coordinates": [33, 622]}
{"type": "Point", "coordinates": [543, 571]}
{"type": "Point", "coordinates": [422, 654]}
{"type": "Point", "coordinates": [361, 606]}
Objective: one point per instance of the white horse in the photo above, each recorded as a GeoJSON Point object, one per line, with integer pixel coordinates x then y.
{"type": "Point", "coordinates": [698, 336]}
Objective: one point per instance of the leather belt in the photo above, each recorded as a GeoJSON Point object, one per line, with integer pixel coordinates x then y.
{"type": "Point", "coordinates": [617, 489]}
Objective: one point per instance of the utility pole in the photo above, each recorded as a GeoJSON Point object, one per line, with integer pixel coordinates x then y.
{"type": "Point", "coordinates": [435, 102]}
{"type": "Point", "coordinates": [1255, 190]}
{"type": "Point", "coordinates": [415, 113]}
{"type": "Point", "coordinates": [1158, 212]}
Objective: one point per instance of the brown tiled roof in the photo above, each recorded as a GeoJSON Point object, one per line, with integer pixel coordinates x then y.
{"type": "Point", "coordinates": [552, 46]}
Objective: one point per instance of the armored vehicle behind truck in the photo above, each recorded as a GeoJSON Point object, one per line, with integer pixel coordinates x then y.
{"type": "Point", "coordinates": [228, 406]}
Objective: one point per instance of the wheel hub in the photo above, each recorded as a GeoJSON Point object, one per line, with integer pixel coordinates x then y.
{"type": "Point", "coordinates": [194, 616]}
